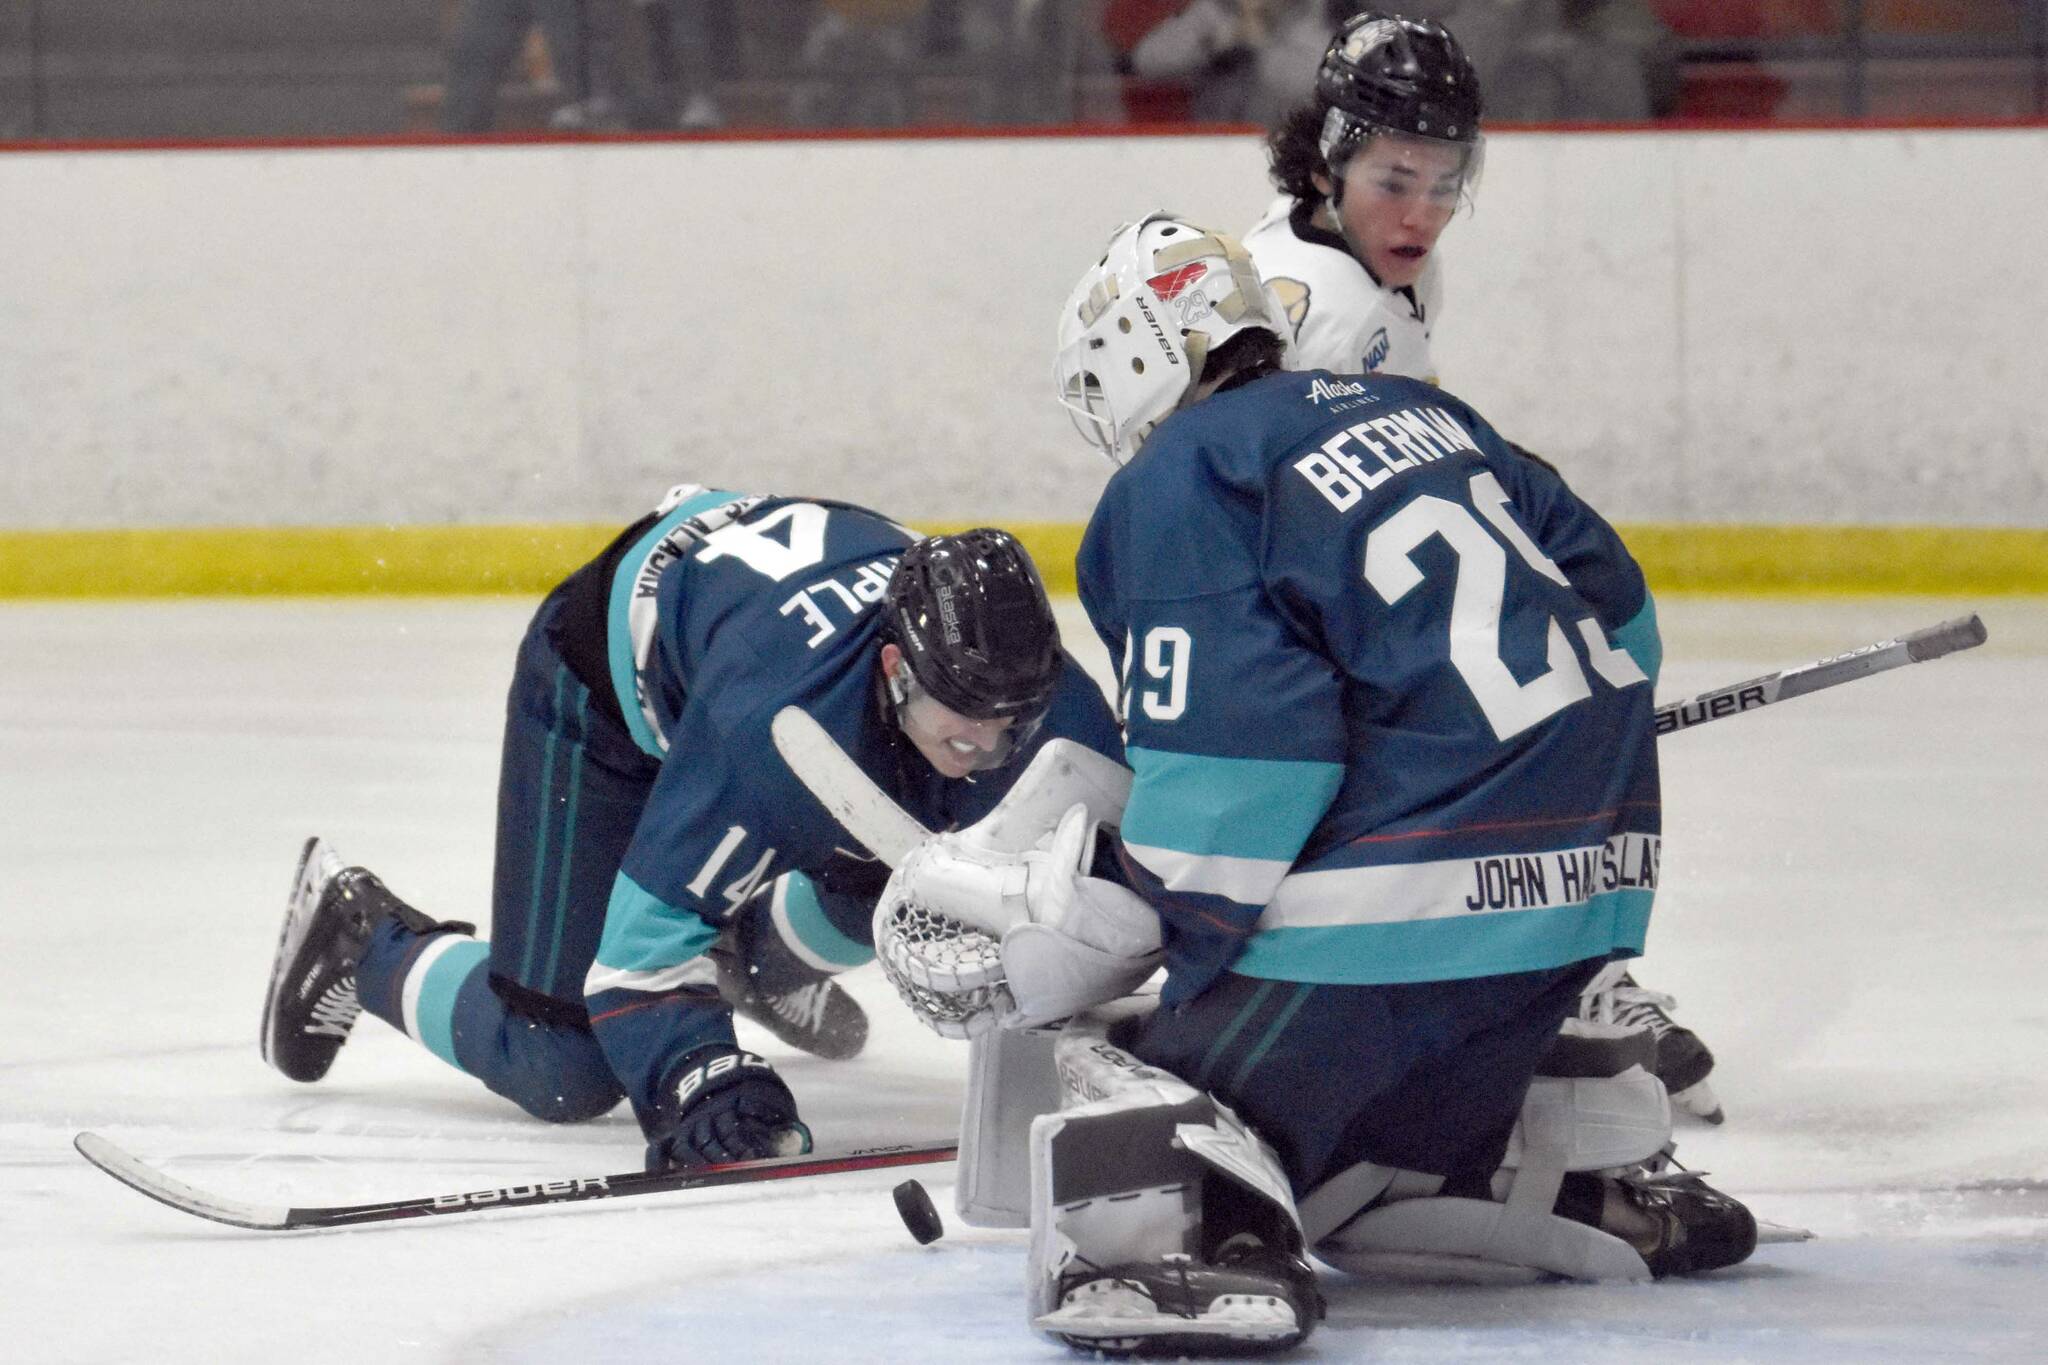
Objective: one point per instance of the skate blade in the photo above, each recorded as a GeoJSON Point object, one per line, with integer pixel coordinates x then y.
{"type": "Point", "coordinates": [1767, 1233]}
{"type": "Point", "coordinates": [1700, 1101]}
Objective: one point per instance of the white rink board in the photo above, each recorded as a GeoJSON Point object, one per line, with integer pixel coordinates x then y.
{"type": "Point", "coordinates": [1832, 327]}
{"type": "Point", "coordinates": [1850, 915]}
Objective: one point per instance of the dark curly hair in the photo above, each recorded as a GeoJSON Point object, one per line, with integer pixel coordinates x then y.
{"type": "Point", "coordinates": [1293, 152]}
{"type": "Point", "coordinates": [1247, 356]}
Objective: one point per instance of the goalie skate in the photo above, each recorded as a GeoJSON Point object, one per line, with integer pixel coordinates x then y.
{"type": "Point", "coordinates": [1677, 1222]}
{"type": "Point", "coordinates": [1251, 1304]}
{"type": "Point", "coordinates": [1683, 1061]}
{"type": "Point", "coordinates": [311, 1005]}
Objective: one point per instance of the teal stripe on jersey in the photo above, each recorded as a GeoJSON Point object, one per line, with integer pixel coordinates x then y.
{"type": "Point", "coordinates": [644, 933]}
{"type": "Point", "coordinates": [1451, 949]}
{"type": "Point", "coordinates": [560, 919]}
{"type": "Point", "coordinates": [1240, 1079]}
{"type": "Point", "coordinates": [819, 935]}
{"type": "Point", "coordinates": [446, 975]}
{"type": "Point", "coordinates": [1229, 1035]}
{"type": "Point", "coordinates": [1640, 640]}
{"type": "Point", "coordinates": [618, 634]}
{"type": "Point", "coordinates": [540, 842]}
{"type": "Point", "coordinates": [1256, 808]}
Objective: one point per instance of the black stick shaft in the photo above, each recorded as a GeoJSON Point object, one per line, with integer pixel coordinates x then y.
{"type": "Point", "coordinates": [1965, 632]}
{"type": "Point", "coordinates": [622, 1186]}
{"type": "Point", "coordinates": [186, 1198]}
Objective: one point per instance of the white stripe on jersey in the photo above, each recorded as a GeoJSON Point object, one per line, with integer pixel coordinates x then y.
{"type": "Point", "coordinates": [698, 971]}
{"type": "Point", "coordinates": [1463, 886]}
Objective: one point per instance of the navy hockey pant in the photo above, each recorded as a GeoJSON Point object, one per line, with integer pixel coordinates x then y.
{"type": "Point", "coordinates": [1424, 1077]}
{"type": "Point", "coordinates": [510, 1012]}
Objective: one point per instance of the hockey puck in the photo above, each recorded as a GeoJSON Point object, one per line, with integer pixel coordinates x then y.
{"type": "Point", "coordinates": [915, 1207]}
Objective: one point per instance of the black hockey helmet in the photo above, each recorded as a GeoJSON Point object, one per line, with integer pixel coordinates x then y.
{"type": "Point", "coordinates": [972, 619]}
{"type": "Point", "coordinates": [1386, 73]}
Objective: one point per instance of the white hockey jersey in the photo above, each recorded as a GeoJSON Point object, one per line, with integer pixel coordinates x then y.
{"type": "Point", "coordinates": [1344, 320]}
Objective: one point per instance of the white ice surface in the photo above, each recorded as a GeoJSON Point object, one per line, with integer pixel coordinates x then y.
{"type": "Point", "coordinates": [1851, 915]}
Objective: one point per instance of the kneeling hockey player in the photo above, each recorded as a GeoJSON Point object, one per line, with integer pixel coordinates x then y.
{"type": "Point", "coordinates": [645, 821]}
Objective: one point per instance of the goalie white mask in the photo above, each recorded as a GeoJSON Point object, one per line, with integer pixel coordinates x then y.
{"type": "Point", "coordinates": [1139, 327]}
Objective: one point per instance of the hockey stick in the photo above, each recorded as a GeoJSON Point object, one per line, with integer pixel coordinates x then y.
{"type": "Point", "coordinates": [890, 832]}
{"type": "Point", "coordinates": [1965, 632]}
{"type": "Point", "coordinates": [279, 1218]}
{"type": "Point", "coordinates": [847, 793]}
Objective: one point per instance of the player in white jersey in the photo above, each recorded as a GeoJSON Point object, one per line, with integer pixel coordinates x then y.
{"type": "Point", "coordinates": [1371, 170]}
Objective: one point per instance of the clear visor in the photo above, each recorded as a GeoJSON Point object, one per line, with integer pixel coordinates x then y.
{"type": "Point", "coordinates": [955, 744]}
{"type": "Point", "coordinates": [1406, 170]}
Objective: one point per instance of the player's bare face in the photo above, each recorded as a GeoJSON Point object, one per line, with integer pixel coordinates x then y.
{"type": "Point", "coordinates": [954, 744]}
{"type": "Point", "coordinates": [1399, 193]}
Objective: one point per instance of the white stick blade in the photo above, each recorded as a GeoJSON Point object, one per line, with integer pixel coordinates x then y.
{"type": "Point", "coordinates": [849, 794]}
{"type": "Point", "coordinates": [176, 1193]}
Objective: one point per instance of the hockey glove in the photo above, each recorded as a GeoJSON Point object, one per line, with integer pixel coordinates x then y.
{"type": "Point", "coordinates": [722, 1105]}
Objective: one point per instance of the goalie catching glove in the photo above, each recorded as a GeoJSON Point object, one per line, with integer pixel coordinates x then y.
{"type": "Point", "coordinates": [973, 937]}
{"type": "Point", "coordinates": [723, 1104]}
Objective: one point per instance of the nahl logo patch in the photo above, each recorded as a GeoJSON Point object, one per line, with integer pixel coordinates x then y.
{"type": "Point", "coordinates": [1377, 350]}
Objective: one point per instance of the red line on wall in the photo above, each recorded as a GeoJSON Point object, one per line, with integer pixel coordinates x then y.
{"type": "Point", "coordinates": [965, 134]}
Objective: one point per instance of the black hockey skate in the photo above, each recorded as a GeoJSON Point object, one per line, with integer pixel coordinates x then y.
{"type": "Point", "coordinates": [764, 981]}
{"type": "Point", "coordinates": [1683, 1061]}
{"type": "Point", "coordinates": [1251, 1301]}
{"type": "Point", "coordinates": [1678, 1223]}
{"type": "Point", "coordinates": [312, 1006]}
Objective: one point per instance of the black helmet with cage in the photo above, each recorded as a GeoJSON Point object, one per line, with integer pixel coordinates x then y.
{"type": "Point", "coordinates": [975, 626]}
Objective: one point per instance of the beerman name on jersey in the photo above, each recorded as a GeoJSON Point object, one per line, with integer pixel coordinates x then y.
{"type": "Point", "coordinates": [1365, 455]}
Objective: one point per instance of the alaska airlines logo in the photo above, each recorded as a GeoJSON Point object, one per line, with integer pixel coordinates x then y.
{"type": "Point", "coordinates": [1334, 388]}
{"type": "Point", "coordinates": [1377, 350]}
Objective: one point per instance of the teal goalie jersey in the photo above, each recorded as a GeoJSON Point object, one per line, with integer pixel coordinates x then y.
{"type": "Point", "coordinates": [1387, 692]}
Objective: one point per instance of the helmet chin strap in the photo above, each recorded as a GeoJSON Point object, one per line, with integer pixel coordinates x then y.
{"type": "Point", "coordinates": [898, 683]}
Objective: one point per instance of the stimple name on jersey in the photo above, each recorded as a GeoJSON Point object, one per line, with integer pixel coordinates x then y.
{"type": "Point", "coordinates": [1393, 444]}
{"type": "Point", "coordinates": [860, 590]}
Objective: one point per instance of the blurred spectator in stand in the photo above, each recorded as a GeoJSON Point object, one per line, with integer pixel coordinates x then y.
{"type": "Point", "coordinates": [1549, 61]}
{"type": "Point", "coordinates": [483, 38]}
{"type": "Point", "coordinates": [679, 43]}
{"type": "Point", "coordinates": [862, 57]}
{"type": "Point", "coordinates": [1244, 61]}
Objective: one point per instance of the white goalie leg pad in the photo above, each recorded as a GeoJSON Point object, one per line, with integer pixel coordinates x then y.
{"type": "Point", "coordinates": [1117, 1173]}
{"type": "Point", "coordinates": [1011, 1080]}
{"type": "Point", "coordinates": [1585, 1124]}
